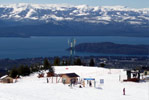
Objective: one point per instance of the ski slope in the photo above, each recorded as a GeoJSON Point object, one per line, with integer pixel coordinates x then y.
{"type": "Point", "coordinates": [33, 88]}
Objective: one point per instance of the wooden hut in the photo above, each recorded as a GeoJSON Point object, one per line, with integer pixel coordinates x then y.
{"type": "Point", "coordinates": [66, 78]}
{"type": "Point", "coordinates": [6, 79]}
{"type": "Point", "coordinates": [133, 75]}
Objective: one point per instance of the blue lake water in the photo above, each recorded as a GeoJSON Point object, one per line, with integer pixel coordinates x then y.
{"type": "Point", "coordinates": [15, 48]}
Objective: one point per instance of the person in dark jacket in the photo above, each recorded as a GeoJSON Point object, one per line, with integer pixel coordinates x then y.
{"type": "Point", "coordinates": [90, 83]}
{"type": "Point", "coordinates": [47, 80]}
{"type": "Point", "coordinates": [123, 91]}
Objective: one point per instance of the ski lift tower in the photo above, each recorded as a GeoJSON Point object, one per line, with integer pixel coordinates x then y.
{"type": "Point", "coordinates": [71, 44]}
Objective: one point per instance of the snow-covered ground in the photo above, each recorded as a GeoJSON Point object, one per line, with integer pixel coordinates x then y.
{"type": "Point", "coordinates": [33, 88]}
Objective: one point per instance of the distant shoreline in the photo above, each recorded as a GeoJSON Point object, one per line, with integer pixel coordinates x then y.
{"type": "Point", "coordinates": [17, 48]}
{"type": "Point", "coordinates": [9, 63]}
{"type": "Point", "coordinates": [70, 36]}
{"type": "Point", "coordinates": [112, 48]}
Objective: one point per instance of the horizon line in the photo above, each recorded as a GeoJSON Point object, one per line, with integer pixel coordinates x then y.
{"type": "Point", "coordinates": [66, 4]}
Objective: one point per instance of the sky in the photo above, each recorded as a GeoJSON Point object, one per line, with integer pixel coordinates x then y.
{"type": "Point", "coordinates": [128, 3]}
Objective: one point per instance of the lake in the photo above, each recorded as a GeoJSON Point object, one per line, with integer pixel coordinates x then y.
{"type": "Point", "coordinates": [16, 48]}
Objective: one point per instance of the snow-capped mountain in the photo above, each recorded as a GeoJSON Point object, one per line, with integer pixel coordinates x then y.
{"type": "Point", "coordinates": [48, 12]}
{"type": "Point", "coordinates": [53, 19]}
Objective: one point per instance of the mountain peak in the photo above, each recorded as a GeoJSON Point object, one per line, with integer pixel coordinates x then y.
{"type": "Point", "coordinates": [85, 13]}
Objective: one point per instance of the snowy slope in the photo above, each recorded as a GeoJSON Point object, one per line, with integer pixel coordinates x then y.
{"type": "Point", "coordinates": [33, 88]}
{"type": "Point", "coordinates": [85, 13]}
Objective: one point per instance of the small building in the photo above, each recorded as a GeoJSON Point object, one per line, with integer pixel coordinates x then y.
{"type": "Point", "coordinates": [6, 79]}
{"type": "Point", "coordinates": [90, 81]}
{"type": "Point", "coordinates": [135, 74]}
{"type": "Point", "coordinates": [68, 77]}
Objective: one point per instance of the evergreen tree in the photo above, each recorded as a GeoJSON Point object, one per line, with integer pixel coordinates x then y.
{"type": "Point", "coordinates": [68, 62]}
{"type": "Point", "coordinates": [102, 65]}
{"type": "Point", "coordinates": [24, 70]}
{"type": "Point", "coordinates": [51, 70]}
{"type": "Point", "coordinates": [92, 62]}
{"type": "Point", "coordinates": [78, 62]}
{"type": "Point", "coordinates": [13, 73]}
{"type": "Point", "coordinates": [21, 70]}
{"type": "Point", "coordinates": [57, 61]}
{"type": "Point", "coordinates": [64, 62]}
{"type": "Point", "coordinates": [34, 68]}
{"type": "Point", "coordinates": [46, 64]}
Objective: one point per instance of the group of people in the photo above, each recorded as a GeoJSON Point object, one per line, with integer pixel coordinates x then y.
{"type": "Point", "coordinates": [73, 82]}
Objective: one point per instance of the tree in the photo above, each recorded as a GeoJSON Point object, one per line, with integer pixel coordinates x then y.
{"type": "Point", "coordinates": [92, 62]}
{"type": "Point", "coordinates": [57, 61]}
{"type": "Point", "coordinates": [78, 62]}
{"type": "Point", "coordinates": [102, 64]}
{"type": "Point", "coordinates": [64, 62]}
{"type": "Point", "coordinates": [51, 70]}
{"type": "Point", "coordinates": [20, 70]}
{"type": "Point", "coordinates": [24, 70]}
{"type": "Point", "coordinates": [34, 68]}
{"type": "Point", "coordinates": [46, 64]}
{"type": "Point", "coordinates": [13, 73]}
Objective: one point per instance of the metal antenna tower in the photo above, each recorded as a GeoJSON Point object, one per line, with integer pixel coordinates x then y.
{"type": "Point", "coordinates": [71, 44]}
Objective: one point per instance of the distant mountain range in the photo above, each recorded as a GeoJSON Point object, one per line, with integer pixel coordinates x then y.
{"type": "Point", "coordinates": [25, 20]}
{"type": "Point", "coordinates": [112, 48]}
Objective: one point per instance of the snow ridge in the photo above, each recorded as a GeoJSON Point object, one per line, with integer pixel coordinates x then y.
{"type": "Point", "coordinates": [85, 13]}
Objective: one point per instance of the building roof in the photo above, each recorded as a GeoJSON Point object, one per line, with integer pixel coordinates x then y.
{"type": "Point", "coordinates": [89, 78]}
{"type": "Point", "coordinates": [71, 75]}
{"type": "Point", "coordinates": [4, 76]}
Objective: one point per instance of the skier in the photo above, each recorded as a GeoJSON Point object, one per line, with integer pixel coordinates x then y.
{"type": "Point", "coordinates": [64, 81]}
{"type": "Point", "coordinates": [71, 82]}
{"type": "Point", "coordinates": [123, 91]}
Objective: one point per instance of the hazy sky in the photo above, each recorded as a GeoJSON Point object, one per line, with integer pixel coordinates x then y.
{"type": "Point", "coordinates": [129, 3]}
